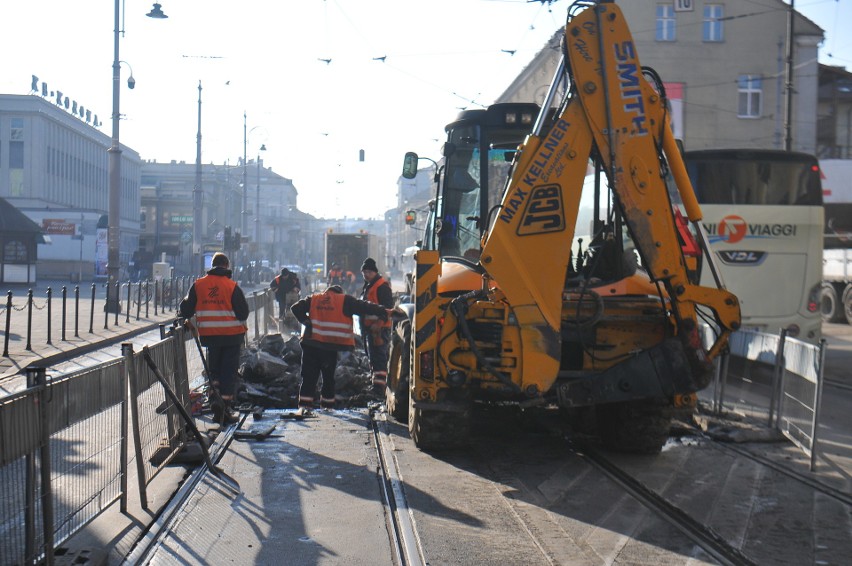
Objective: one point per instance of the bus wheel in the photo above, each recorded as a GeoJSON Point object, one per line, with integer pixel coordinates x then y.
{"type": "Point", "coordinates": [396, 393]}
{"type": "Point", "coordinates": [829, 304]}
{"type": "Point", "coordinates": [847, 303]}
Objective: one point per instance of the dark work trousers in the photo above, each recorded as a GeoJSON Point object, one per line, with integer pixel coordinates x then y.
{"type": "Point", "coordinates": [223, 362]}
{"type": "Point", "coordinates": [378, 346]}
{"type": "Point", "coordinates": [316, 361]}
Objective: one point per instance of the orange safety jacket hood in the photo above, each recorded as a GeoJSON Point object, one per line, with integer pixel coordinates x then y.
{"type": "Point", "coordinates": [328, 323]}
{"type": "Point", "coordinates": [214, 312]}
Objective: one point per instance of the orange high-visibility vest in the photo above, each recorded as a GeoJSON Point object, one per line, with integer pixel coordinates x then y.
{"type": "Point", "coordinates": [373, 297]}
{"type": "Point", "coordinates": [328, 323]}
{"type": "Point", "coordinates": [214, 312]}
{"type": "Point", "coordinates": [335, 277]}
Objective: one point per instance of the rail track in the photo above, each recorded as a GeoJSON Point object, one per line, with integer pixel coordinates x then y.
{"type": "Point", "coordinates": [570, 502]}
{"type": "Point", "coordinates": [405, 542]}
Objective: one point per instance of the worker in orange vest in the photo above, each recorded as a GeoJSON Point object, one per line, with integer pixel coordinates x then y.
{"type": "Point", "coordinates": [221, 310]}
{"type": "Point", "coordinates": [335, 275]}
{"type": "Point", "coordinates": [328, 329]}
{"type": "Point", "coordinates": [376, 332]}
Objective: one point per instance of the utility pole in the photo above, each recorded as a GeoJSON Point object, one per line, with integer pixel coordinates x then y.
{"type": "Point", "coordinates": [197, 199]}
{"type": "Point", "coordinates": [788, 98]}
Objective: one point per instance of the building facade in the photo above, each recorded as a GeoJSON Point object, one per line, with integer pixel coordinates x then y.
{"type": "Point", "coordinates": [54, 169]}
{"type": "Point", "coordinates": [834, 126]}
{"type": "Point", "coordinates": [723, 65]}
{"type": "Point", "coordinates": [251, 200]}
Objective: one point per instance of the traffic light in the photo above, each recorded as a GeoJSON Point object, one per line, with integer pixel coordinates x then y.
{"type": "Point", "coordinates": [238, 238]}
{"type": "Point", "coordinates": [410, 217]}
{"type": "Point", "coordinates": [227, 242]}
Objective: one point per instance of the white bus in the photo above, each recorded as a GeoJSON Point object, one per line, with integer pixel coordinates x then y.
{"type": "Point", "coordinates": [763, 217]}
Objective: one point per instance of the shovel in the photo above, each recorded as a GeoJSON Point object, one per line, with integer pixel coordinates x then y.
{"type": "Point", "coordinates": [213, 393]}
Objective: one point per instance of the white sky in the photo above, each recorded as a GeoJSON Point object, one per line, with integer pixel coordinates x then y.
{"type": "Point", "coordinates": [263, 57]}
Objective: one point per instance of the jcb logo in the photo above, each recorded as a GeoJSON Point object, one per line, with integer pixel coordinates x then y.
{"type": "Point", "coordinates": [544, 212]}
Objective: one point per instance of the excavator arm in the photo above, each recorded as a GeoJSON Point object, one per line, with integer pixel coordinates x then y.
{"type": "Point", "coordinates": [614, 111]}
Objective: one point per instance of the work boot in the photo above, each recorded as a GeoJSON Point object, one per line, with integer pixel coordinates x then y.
{"type": "Point", "coordinates": [223, 415]}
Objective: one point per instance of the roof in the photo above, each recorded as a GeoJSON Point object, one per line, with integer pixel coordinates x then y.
{"type": "Point", "coordinates": [13, 220]}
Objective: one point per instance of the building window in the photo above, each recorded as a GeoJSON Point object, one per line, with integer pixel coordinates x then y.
{"type": "Point", "coordinates": [666, 22]}
{"type": "Point", "coordinates": [750, 92]}
{"type": "Point", "coordinates": [17, 129]}
{"type": "Point", "coordinates": [713, 29]}
{"type": "Point", "coordinates": [14, 252]}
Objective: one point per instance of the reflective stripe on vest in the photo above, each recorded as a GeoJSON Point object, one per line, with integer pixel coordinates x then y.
{"type": "Point", "coordinates": [214, 312]}
{"type": "Point", "coordinates": [373, 297]}
{"type": "Point", "coordinates": [328, 323]}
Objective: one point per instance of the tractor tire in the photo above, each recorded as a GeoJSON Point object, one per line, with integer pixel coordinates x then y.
{"type": "Point", "coordinates": [829, 304]}
{"type": "Point", "coordinates": [396, 393]}
{"type": "Point", "coordinates": [438, 430]}
{"type": "Point", "coordinates": [640, 427]}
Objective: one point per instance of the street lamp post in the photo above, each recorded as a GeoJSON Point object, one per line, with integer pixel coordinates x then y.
{"type": "Point", "coordinates": [245, 176]}
{"type": "Point", "coordinates": [197, 198]}
{"type": "Point", "coordinates": [113, 304]}
{"type": "Point", "coordinates": [257, 205]}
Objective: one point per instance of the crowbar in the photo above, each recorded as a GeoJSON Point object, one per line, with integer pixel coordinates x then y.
{"type": "Point", "coordinates": [221, 475]}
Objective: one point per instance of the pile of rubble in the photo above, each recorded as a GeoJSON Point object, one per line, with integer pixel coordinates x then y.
{"type": "Point", "coordinates": [270, 368]}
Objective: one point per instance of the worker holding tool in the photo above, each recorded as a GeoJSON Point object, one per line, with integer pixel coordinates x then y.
{"type": "Point", "coordinates": [376, 332]}
{"type": "Point", "coordinates": [220, 311]}
{"type": "Point", "coordinates": [328, 329]}
{"type": "Point", "coordinates": [286, 287]}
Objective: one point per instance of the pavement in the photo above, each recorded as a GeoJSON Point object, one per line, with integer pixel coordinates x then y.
{"type": "Point", "coordinates": [299, 480]}
{"type": "Point", "coordinates": [87, 328]}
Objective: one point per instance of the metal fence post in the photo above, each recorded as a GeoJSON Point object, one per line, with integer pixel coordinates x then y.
{"type": "Point", "coordinates": [29, 345]}
{"type": "Point", "coordinates": [106, 310]}
{"type": "Point", "coordinates": [92, 311]}
{"type": "Point", "coordinates": [156, 292]}
{"type": "Point", "coordinates": [76, 311]}
{"type": "Point", "coordinates": [64, 305]}
{"type": "Point", "coordinates": [776, 378]}
{"type": "Point", "coordinates": [266, 312]}
{"type": "Point", "coordinates": [138, 299]}
{"type": "Point", "coordinates": [8, 324]}
{"type": "Point", "coordinates": [147, 297]}
{"type": "Point", "coordinates": [132, 393]}
{"type": "Point", "coordinates": [256, 322]}
{"type": "Point", "coordinates": [818, 400]}
{"type": "Point", "coordinates": [127, 314]}
{"type": "Point", "coordinates": [117, 300]}
{"type": "Point", "coordinates": [49, 317]}
{"type": "Point", "coordinates": [36, 377]}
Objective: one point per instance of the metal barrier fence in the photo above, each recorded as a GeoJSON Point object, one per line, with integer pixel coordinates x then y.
{"type": "Point", "coordinates": [158, 431]}
{"type": "Point", "coordinates": [53, 435]}
{"type": "Point", "coordinates": [65, 444]}
{"type": "Point", "coordinates": [776, 377]}
{"type": "Point", "coordinates": [262, 306]}
{"type": "Point", "coordinates": [81, 311]}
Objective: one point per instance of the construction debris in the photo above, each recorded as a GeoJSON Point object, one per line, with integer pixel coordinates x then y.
{"type": "Point", "coordinates": [270, 377]}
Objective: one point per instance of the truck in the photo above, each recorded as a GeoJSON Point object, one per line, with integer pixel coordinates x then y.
{"type": "Point", "coordinates": [349, 251]}
{"type": "Point", "coordinates": [509, 309]}
{"type": "Point", "coordinates": [836, 296]}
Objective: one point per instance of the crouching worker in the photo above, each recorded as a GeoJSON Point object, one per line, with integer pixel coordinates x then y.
{"type": "Point", "coordinates": [328, 329]}
{"type": "Point", "coordinates": [220, 311]}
